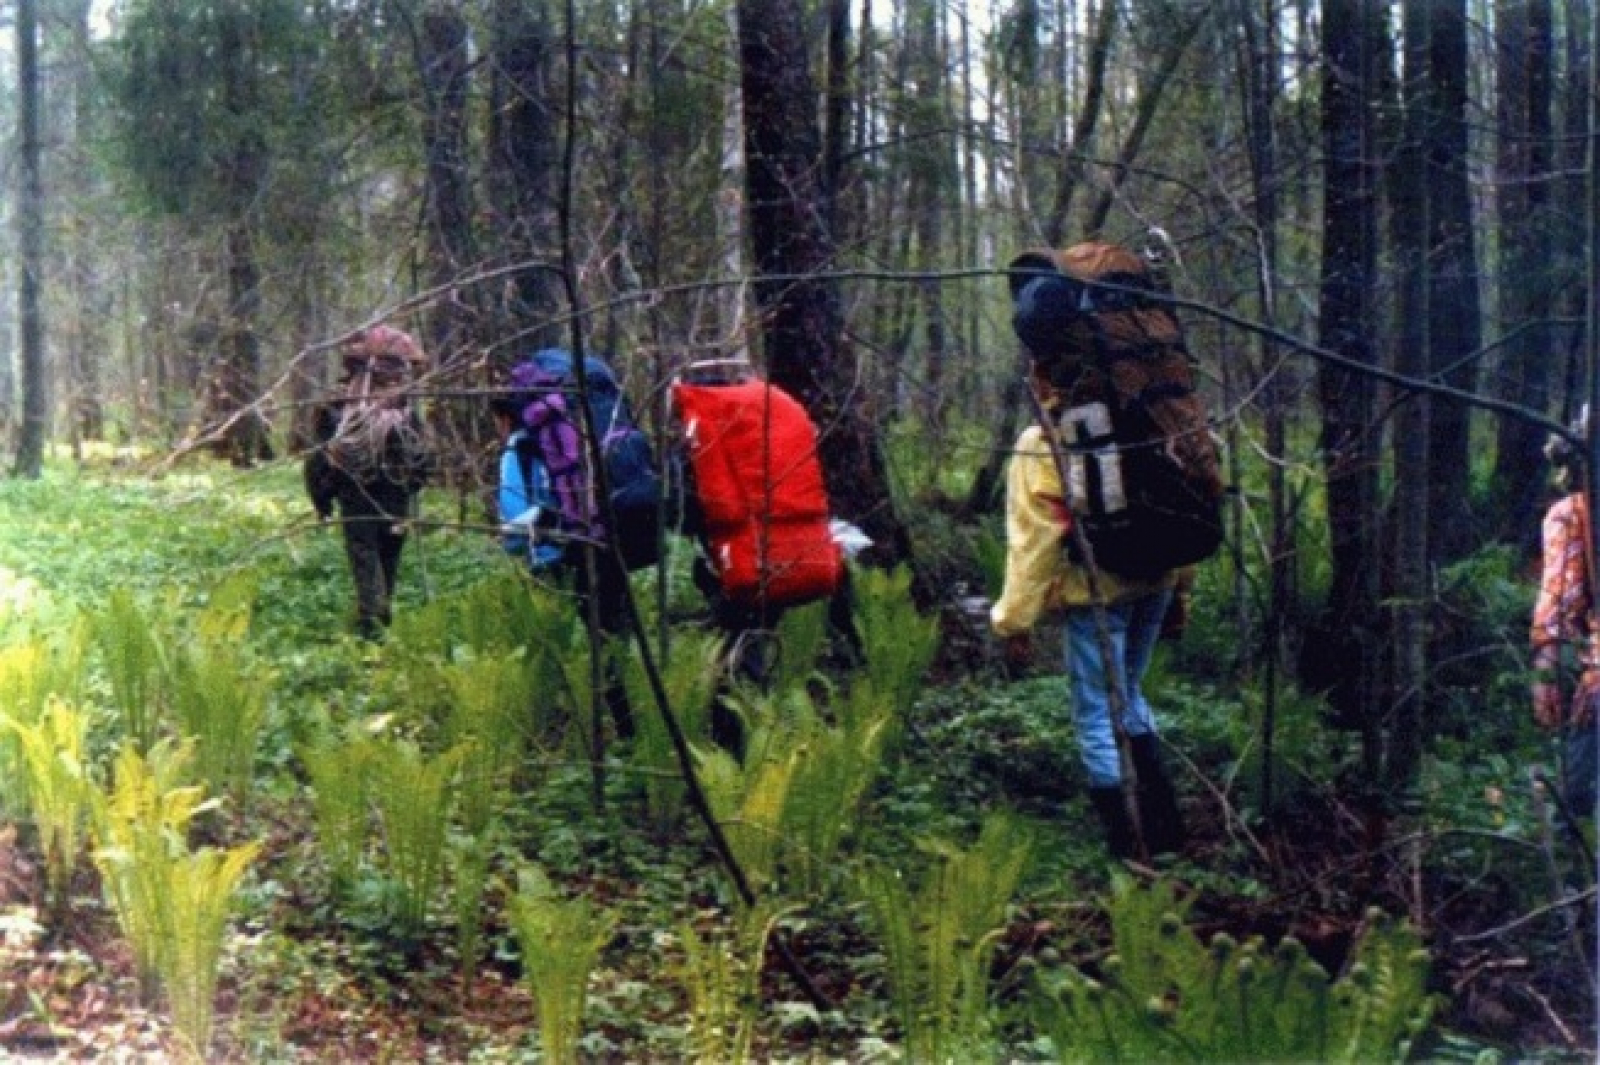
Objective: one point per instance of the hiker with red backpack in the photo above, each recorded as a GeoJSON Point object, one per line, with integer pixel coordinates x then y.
{"type": "Point", "coordinates": [758, 508]}
{"type": "Point", "coordinates": [1108, 498]}
{"type": "Point", "coordinates": [370, 461]}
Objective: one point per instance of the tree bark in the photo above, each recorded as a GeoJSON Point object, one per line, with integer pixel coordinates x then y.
{"type": "Point", "coordinates": [1343, 653]}
{"type": "Point", "coordinates": [1524, 43]}
{"type": "Point", "coordinates": [1454, 331]}
{"type": "Point", "coordinates": [803, 327]}
{"type": "Point", "coordinates": [29, 460]}
{"type": "Point", "coordinates": [522, 149]}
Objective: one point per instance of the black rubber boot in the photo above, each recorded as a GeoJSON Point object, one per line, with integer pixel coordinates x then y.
{"type": "Point", "coordinates": [1113, 811]}
{"type": "Point", "coordinates": [1159, 815]}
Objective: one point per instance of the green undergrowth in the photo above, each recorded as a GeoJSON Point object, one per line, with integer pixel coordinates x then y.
{"type": "Point", "coordinates": [902, 837]}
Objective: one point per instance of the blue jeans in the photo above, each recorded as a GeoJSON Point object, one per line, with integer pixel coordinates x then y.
{"type": "Point", "coordinates": [1135, 626]}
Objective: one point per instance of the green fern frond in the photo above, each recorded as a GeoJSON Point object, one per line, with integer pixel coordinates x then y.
{"type": "Point", "coordinates": [561, 941]}
{"type": "Point", "coordinates": [131, 651]}
{"type": "Point", "coordinates": [723, 981]}
{"type": "Point", "coordinates": [939, 941]}
{"type": "Point", "coordinates": [689, 677]}
{"type": "Point", "coordinates": [338, 772]}
{"type": "Point", "coordinates": [200, 889]}
{"type": "Point", "coordinates": [413, 796]}
{"type": "Point", "coordinates": [59, 792]}
{"type": "Point", "coordinates": [220, 697]}
{"type": "Point", "coordinates": [1165, 996]}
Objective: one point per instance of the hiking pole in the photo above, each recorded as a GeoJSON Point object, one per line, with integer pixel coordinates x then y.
{"type": "Point", "coordinates": [1115, 692]}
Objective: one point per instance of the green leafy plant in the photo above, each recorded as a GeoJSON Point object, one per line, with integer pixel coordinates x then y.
{"type": "Point", "coordinates": [220, 696]}
{"type": "Point", "coordinates": [938, 940]}
{"type": "Point", "coordinates": [138, 825]}
{"type": "Point", "coordinates": [172, 904]}
{"type": "Point", "coordinates": [200, 893]}
{"type": "Point", "coordinates": [412, 794]}
{"type": "Point", "coordinates": [723, 981]}
{"type": "Point", "coordinates": [59, 792]}
{"type": "Point", "coordinates": [561, 941]}
{"type": "Point", "coordinates": [339, 771]}
{"type": "Point", "coordinates": [689, 676]}
{"type": "Point", "coordinates": [897, 642]}
{"type": "Point", "coordinates": [127, 637]}
{"type": "Point", "coordinates": [1165, 996]}
{"type": "Point", "coordinates": [835, 769]}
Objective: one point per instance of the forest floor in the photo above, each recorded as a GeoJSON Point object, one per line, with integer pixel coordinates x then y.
{"type": "Point", "coordinates": [1473, 861]}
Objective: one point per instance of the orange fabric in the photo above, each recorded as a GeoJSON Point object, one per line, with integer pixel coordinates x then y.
{"type": "Point", "coordinates": [753, 451]}
{"type": "Point", "coordinates": [1563, 614]}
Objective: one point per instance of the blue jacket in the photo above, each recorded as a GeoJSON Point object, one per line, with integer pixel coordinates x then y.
{"type": "Point", "coordinates": [522, 505]}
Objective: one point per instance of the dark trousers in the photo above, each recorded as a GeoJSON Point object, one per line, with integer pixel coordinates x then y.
{"type": "Point", "coordinates": [610, 595]}
{"type": "Point", "coordinates": [373, 549]}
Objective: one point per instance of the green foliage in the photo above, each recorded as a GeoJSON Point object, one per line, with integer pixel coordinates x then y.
{"type": "Point", "coordinates": [938, 940]}
{"type": "Point", "coordinates": [802, 637]}
{"type": "Point", "coordinates": [172, 904]}
{"type": "Point", "coordinates": [413, 797]}
{"type": "Point", "coordinates": [127, 637]}
{"type": "Point", "coordinates": [1165, 996]}
{"type": "Point", "coordinates": [139, 825]}
{"type": "Point", "coordinates": [835, 771]}
{"type": "Point", "coordinates": [723, 980]}
{"type": "Point", "coordinates": [491, 702]}
{"type": "Point", "coordinates": [689, 677]}
{"type": "Point", "coordinates": [561, 941]}
{"type": "Point", "coordinates": [200, 889]}
{"type": "Point", "coordinates": [339, 771]}
{"type": "Point", "coordinates": [56, 783]}
{"type": "Point", "coordinates": [33, 671]}
{"type": "Point", "coordinates": [220, 696]}
{"type": "Point", "coordinates": [897, 641]}
{"type": "Point", "coordinates": [748, 800]}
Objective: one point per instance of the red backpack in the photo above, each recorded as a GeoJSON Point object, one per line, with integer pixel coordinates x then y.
{"type": "Point", "coordinates": [753, 455]}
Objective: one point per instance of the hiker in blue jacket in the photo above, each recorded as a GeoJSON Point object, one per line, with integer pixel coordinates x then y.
{"type": "Point", "coordinates": [523, 498]}
{"type": "Point", "coordinates": [544, 516]}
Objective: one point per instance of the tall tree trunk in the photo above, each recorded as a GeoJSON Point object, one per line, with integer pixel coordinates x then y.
{"type": "Point", "coordinates": [1524, 40]}
{"type": "Point", "coordinates": [1454, 331]}
{"type": "Point", "coordinates": [522, 150]}
{"type": "Point", "coordinates": [447, 221]}
{"type": "Point", "coordinates": [1342, 655]}
{"type": "Point", "coordinates": [730, 214]}
{"type": "Point", "coordinates": [806, 352]}
{"type": "Point", "coordinates": [239, 382]}
{"type": "Point", "coordinates": [1391, 746]}
{"type": "Point", "coordinates": [91, 302]}
{"type": "Point", "coordinates": [30, 245]}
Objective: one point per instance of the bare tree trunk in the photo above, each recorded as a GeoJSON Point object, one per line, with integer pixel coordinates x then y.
{"type": "Point", "coordinates": [1454, 332]}
{"type": "Point", "coordinates": [1342, 654]}
{"type": "Point", "coordinates": [522, 151]}
{"type": "Point", "coordinates": [730, 213]}
{"type": "Point", "coordinates": [92, 305]}
{"type": "Point", "coordinates": [806, 352]}
{"type": "Point", "coordinates": [1391, 746]}
{"type": "Point", "coordinates": [447, 221]}
{"type": "Point", "coordinates": [1527, 295]}
{"type": "Point", "coordinates": [30, 243]}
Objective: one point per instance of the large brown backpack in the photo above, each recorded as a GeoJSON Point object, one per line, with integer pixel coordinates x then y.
{"type": "Point", "coordinates": [1142, 464]}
